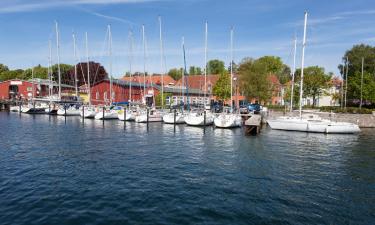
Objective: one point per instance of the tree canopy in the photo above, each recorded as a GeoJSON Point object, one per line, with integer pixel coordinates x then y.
{"type": "Point", "coordinates": [354, 56]}
{"type": "Point", "coordinates": [222, 87]}
{"type": "Point", "coordinates": [175, 73]}
{"type": "Point", "coordinates": [215, 66]}
{"type": "Point", "coordinates": [274, 65]}
{"type": "Point", "coordinates": [314, 81]}
{"type": "Point", "coordinates": [195, 70]}
{"type": "Point", "coordinates": [254, 82]}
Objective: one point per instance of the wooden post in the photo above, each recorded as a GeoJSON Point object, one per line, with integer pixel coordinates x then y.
{"type": "Point", "coordinates": [124, 117]}
{"type": "Point", "coordinates": [147, 118]}
{"type": "Point", "coordinates": [204, 121]}
{"type": "Point", "coordinates": [83, 113]}
{"type": "Point", "coordinates": [174, 120]}
{"type": "Point", "coordinates": [103, 114]}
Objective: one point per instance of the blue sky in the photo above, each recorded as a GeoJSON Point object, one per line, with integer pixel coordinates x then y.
{"type": "Point", "coordinates": [261, 28]}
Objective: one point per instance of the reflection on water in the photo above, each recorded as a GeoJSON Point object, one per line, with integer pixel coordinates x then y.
{"type": "Point", "coordinates": [58, 170]}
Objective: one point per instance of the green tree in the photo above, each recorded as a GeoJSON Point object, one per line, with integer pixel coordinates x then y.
{"type": "Point", "coordinates": [195, 70]}
{"type": "Point", "coordinates": [158, 98]}
{"type": "Point", "coordinates": [354, 56]}
{"type": "Point", "coordinates": [39, 72]}
{"type": "Point", "coordinates": [3, 68]}
{"type": "Point", "coordinates": [314, 81]}
{"type": "Point", "coordinates": [254, 81]}
{"type": "Point", "coordinates": [215, 66]}
{"type": "Point", "coordinates": [274, 65]}
{"type": "Point", "coordinates": [222, 87]}
{"type": "Point", "coordinates": [175, 73]}
{"type": "Point", "coordinates": [235, 67]}
{"type": "Point", "coordinates": [354, 86]}
{"type": "Point", "coordinates": [11, 74]}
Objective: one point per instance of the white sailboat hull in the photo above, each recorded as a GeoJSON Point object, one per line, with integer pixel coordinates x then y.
{"type": "Point", "coordinates": [88, 113]}
{"type": "Point", "coordinates": [68, 112]}
{"type": "Point", "coordinates": [313, 126]}
{"type": "Point", "coordinates": [14, 108]}
{"type": "Point", "coordinates": [169, 118]}
{"type": "Point", "coordinates": [194, 119]}
{"type": "Point", "coordinates": [154, 117]}
{"type": "Point", "coordinates": [129, 116]}
{"type": "Point", "coordinates": [108, 115]}
{"type": "Point", "coordinates": [228, 121]}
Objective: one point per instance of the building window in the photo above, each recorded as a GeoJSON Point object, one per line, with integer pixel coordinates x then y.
{"type": "Point", "coordinates": [105, 96]}
{"type": "Point", "coordinates": [113, 95]}
{"type": "Point", "coordinates": [29, 89]}
{"type": "Point", "coordinates": [97, 95]}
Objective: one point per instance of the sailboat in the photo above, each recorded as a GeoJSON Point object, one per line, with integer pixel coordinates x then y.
{"type": "Point", "coordinates": [33, 107]}
{"type": "Point", "coordinates": [127, 114]}
{"type": "Point", "coordinates": [72, 110]}
{"type": "Point", "coordinates": [109, 112]}
{"type": "Point", "coordinates": [201, 117]}
{"type": "Point", "coordinates": [89, 111]}
{"type": "Point", "coordinates": [310, 122]}
{"type": "Point", "coordinates": [229, 119]}
{"type": "Point", "coordinates": [150, 115]}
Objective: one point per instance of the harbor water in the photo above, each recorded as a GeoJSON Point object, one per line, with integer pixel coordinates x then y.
{"type": "Point", "coordinates": [56, 170]}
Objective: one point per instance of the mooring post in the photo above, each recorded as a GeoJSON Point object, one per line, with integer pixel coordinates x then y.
{"type": "Point", "coordinates": [83, 113]}
{"type": "Point", "coordinates": [204, 120]}
{"type": "Point", "coordinates": [124, 118]}
{"type": "Point", "coordinates": [174, 120]}
{"type": "Point", "coordinates": [147, 118]}
{"type": "Point", "coordinates": [103, 114]}
{"type": "Point", "coordinates": [20, 107]}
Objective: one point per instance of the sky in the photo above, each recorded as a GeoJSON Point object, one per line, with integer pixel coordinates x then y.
{"type": "Point", "coordinates": [261, 27]}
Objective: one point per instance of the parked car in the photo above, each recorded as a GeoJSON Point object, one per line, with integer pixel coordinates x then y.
{"type": "Point", "coordinates": [254, 108]}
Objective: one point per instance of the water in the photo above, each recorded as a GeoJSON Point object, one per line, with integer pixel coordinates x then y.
{"type": "Point", "coordinates": [57, 171]}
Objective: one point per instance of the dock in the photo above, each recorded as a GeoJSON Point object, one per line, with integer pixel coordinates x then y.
{"type": "Point", "coordinates": [253, 125]}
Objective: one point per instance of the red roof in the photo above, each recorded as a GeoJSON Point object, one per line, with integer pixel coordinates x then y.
{"type": "Point", "coordinates": [197, 81]}
{"type": "Point", "coordinates": [155, 79]}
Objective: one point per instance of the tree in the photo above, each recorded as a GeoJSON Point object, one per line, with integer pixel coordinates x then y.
{"type": "Point", "coordinates": [354, 56]}
{"type": "Point", "coordinates": [274, 65]}
{"type": "Point", "coordinates": [3, 68]}
{"type": "Point", "coordinates": [235, 67]}
{"type": "Point", "coordinates": [11, 74]}
{"type": "Point", "coordinates": [175, 73]}
{"type": "Point", "coordinates": [158, 98]}
{"type": "Point", "coordinates": [354, 87]}
{"type": "Point", "coordinates": [215, 67]}
{"type": "Point", "coordinates": [222, 87]}
{"type": "Point", "coordinates": [39, 72]}
{"type": "Point", "coordinates": [195, 70]}
{"type": "Point", "coordinates": [253, 79]}
{"type": "Point", "coordinates": [314, 81]}
{"type": "Point", "coordinates": [97, 73]}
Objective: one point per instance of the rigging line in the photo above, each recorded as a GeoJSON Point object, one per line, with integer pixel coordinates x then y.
{"type": "Point", "coordinates": [101, 55]}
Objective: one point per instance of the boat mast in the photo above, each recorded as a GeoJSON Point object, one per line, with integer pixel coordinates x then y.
{"type": "Point", "coordinates": [130, 62]}
{"type": "Point", "coordinates": [205, 61]}
{"type": "Point", "coordinates": [50, 88]}
{"type": "Point", "coordinates": [185, 72]}
{"type": "Point", "coordinates": [231, 68]}
{"type": "Point", "coordinates": [88, 68]}
{"type": "Point", "coordinates": [302, 65]}
{"type": "Point", "coordinates": [144, 62]}
{"type": "Point", "coordinates": [58, 58]}
{"type": "Point", "coordinates": [75, 64]}
{"type": "Point", "coordinates": [32, 80]}
{"type": "Point", "coordinates": [110, 63]}
{"type": "Point", "coordinates": [161, 63]}
{"type": "Point", "coordinates": [360, 105]}
{"type": "Point", "coordinates": [346, 79]}
{"type": "Point", "coordinates": [293, 73]}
